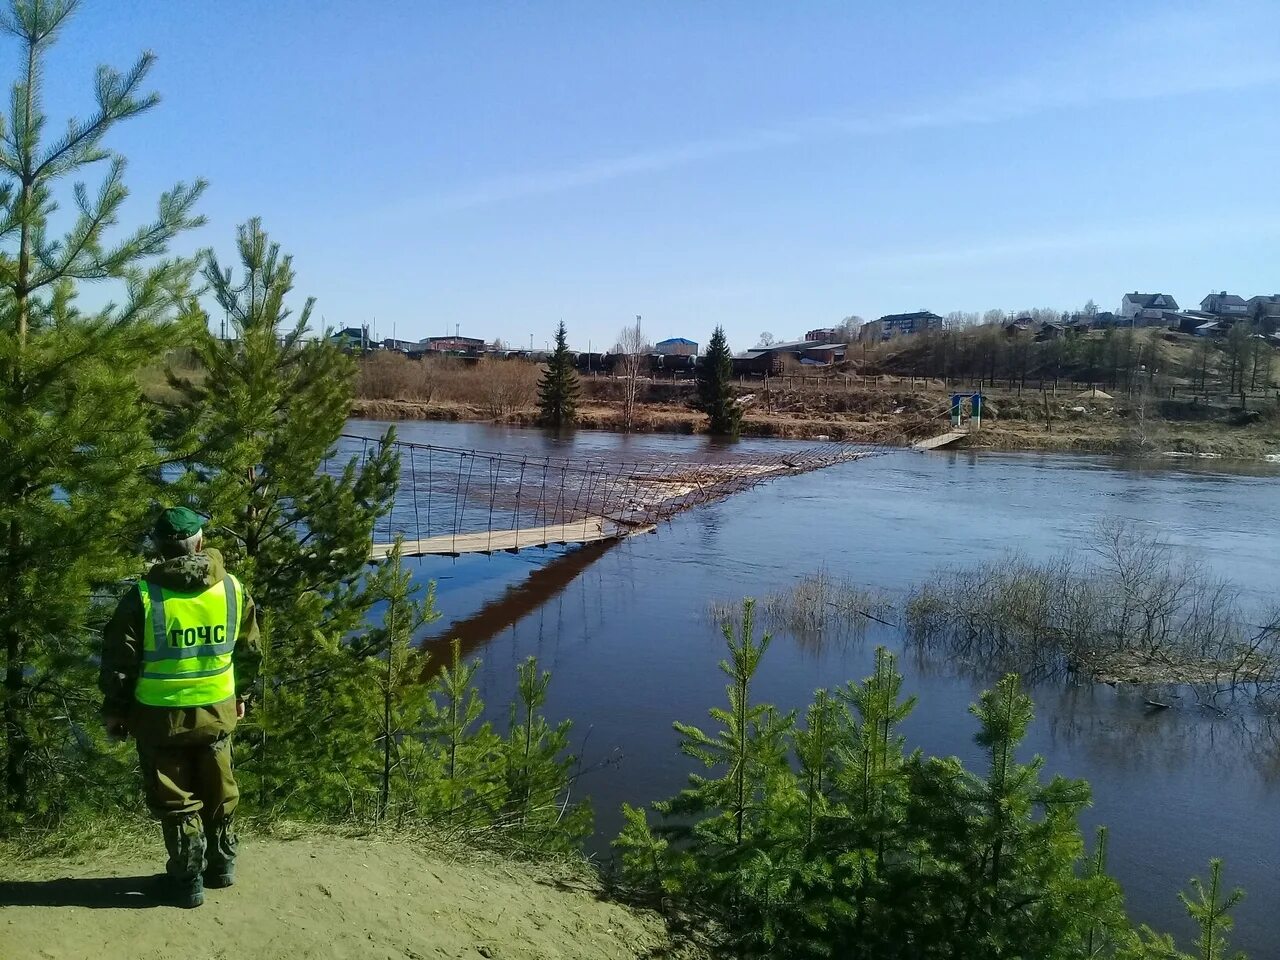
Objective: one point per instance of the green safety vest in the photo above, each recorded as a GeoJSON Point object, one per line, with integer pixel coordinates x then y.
{"type": "Point", "coordinates": [187, 642]}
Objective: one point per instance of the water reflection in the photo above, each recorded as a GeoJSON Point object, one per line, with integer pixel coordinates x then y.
{"type": "Point", "coordinates": [519, 600]}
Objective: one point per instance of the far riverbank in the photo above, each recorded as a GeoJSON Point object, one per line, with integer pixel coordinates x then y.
{"type": "Point", "coordinates": [1068, 423]}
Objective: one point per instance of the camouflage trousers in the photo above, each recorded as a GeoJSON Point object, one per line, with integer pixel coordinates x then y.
{"type": "Point", "coordinates": [182, 778]}
{"type": "Point", "coordinates": [191, 788]}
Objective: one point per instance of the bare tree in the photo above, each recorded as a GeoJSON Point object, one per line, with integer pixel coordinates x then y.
{"type": "Point", "coordinates": [847, 329]}
{"type": "Point", "coordinates": [632, 350]}
{"type": "Point", "coordinates": [767, 339]}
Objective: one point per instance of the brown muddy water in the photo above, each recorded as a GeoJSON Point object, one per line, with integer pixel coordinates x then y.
{"type": "Point", "coordinates": [624, 630]}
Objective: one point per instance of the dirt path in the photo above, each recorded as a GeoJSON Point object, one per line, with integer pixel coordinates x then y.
{"type": "Point", "coordinates": [319, 897]}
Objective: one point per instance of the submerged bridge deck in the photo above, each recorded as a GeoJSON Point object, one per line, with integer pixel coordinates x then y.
{"type": "Point", "coordinates": [454, 501]}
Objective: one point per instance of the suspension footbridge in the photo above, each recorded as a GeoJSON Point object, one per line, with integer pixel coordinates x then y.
{"type": "Point", "coordinates": [455, 501]}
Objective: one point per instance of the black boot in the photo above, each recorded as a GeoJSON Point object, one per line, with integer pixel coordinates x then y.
{"type": "Point", "coordinates": [221, 854]}
{"type": "Point", "coordinates": [184, 839]}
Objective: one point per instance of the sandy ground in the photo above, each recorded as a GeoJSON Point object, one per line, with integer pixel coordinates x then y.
{"type": "Point", "coordinates": [319, 897]}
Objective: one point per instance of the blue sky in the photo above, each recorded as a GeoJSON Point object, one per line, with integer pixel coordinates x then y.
{"type": "Point", "coordinates": [767, 166]}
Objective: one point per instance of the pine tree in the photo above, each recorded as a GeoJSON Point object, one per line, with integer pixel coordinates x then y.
{"type": "Point", "coordinates": [537, 813]}
{"type": "Point", "coordinates": [256, 431]}
{"type": "Point", "coordinates": [715, 388]}
{"type": "Point", "coordinates": [1212, 913]}
{"type": "Point", "coordinates": [815, 748]}
{"type": "Point", "coordinates": [1210, 910]}
{"type": "Point", "coordinates": [75, 443]}
{"type": "Point", "coordinates": [1005, 849]}
{"type": "Point", "coordinates": [559, 387]}
{"type": "Point", "coordinates": [750, 748]}
{"type": "Point", "coordinates": [403, 696]}
{"type": "Point", "coordinates": [873, 854]}
{"type": "Point", "coordinates": [738, 831]}
{"type": "Point", "coordinates": [873, 789]}
{"type": "Point", "coordinates": [466, 748]}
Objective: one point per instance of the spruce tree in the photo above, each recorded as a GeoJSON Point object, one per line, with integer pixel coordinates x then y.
{"type": "Point", "coordinates": [715, 388]}
{"type": "Point", "coordinates": [75, 441]}
{"type": "Point", "coordinates": [558, 390]}
{"type": "Point", "coordinates": [256, 428]}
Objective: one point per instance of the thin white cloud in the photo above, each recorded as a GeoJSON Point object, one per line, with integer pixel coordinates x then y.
{"type": "Point", "coordinates": [1173, 54]}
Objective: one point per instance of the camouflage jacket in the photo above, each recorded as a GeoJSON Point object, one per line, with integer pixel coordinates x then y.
{"type": "Point", "coordinates": [122, 656]}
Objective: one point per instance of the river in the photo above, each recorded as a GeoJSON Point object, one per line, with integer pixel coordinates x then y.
{"type": "Point", "coordinates": [624, 630]}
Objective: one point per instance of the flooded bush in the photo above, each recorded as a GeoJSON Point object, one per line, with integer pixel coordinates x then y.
{"type": "Point", "coordinates": [1132, 610]}
{"type": "Point", "coordinates": [816, 606]}
{"type": "Point", "coordinates": [821, 603]}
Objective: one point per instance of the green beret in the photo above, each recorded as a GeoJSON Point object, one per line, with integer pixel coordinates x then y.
{"type": "Point", "coordinates": [178, 523]}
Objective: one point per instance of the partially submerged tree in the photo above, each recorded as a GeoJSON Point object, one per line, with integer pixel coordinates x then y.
{"type": "Point", "coordinates": [631, 362]}
{"type": "Point", "coordinates": [75, 442]}
{"type": "Point", "coordinates": [715, 388]}
{"type": "Point", "coordinates": [558, 391]}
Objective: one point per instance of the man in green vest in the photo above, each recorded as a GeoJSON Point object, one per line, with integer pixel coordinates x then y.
{"type": "Point", "coordinates": [179, 659]}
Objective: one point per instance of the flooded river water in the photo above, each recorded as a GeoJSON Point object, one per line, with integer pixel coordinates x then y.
{"type": "Point", "coordinates": [624, 630]}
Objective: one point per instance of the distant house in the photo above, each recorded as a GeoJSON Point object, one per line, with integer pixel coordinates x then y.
{"type": "Point", "coordinates": [400, 346]}
{"type": "Point", "coordinates": [903, 324]}
{"type": "Point", "coordinates": [677, 347]}
{"type": "Point", "coordinates": [1212, 328]}
{"type": "Point", "coordinates": [1051, 330]}
{"type": "Point", "coordinates": [1145, 309]}
{"type": "Point", "coordinates": [1225, 305]}
{"type": "Point", "coordinates": [1017, 326]}
{"type": "Point", "coordinates": [451, 344]}
{"type": "Point", "coordinates": [825, 334]}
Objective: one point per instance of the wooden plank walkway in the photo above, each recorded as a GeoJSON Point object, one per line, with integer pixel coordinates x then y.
{"type": "Point", "coordinates": [942, 440]}
{"type": "Point", "coordinates": [587, 530]}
